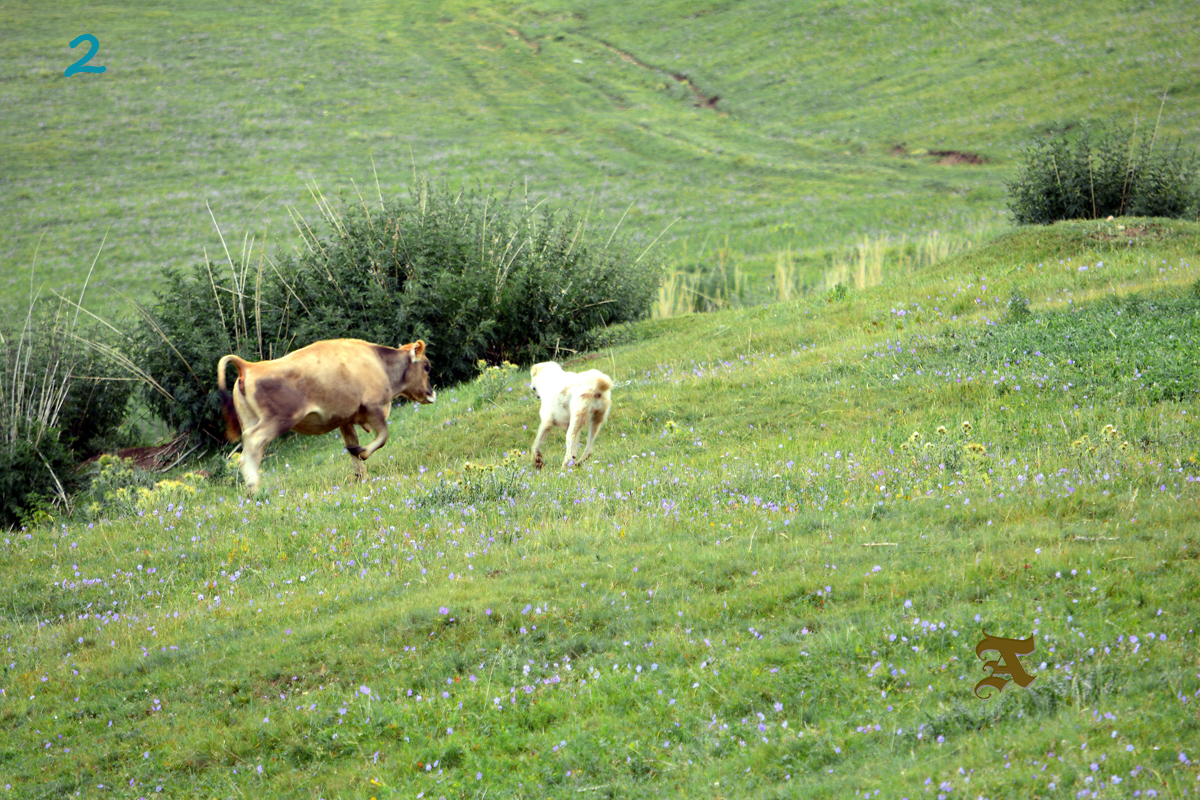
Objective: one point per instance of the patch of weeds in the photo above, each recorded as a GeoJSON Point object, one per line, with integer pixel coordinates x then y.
{"type": "Point", "coordinates": [837, 294]}
{"type": "Point", "coordinates": [221, 470]}
{"type": "Point", "coordinates": [486, 483]}
{"type": "Point", "coordinates": [1102, 452]}
{"type": "Point", "coordinates": [1017, 310]}
{"type": "Point", "coordinates": [491, 380]}
{"type": "Point", "coordinates": [1089, 685]}
{"type": "Point", "coordinates": [1135, 349]}
{"type": "Point", "coordinates": [113, 489]}
{"type": "Point", "coordinates": [952, 448]}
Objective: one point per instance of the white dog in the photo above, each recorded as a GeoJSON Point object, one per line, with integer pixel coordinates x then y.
{"type": "Point", "coordinates": [570, 400]}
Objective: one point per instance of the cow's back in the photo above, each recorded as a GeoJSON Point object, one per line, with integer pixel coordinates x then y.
{"type": "Point", "coordinates": [330, 381]}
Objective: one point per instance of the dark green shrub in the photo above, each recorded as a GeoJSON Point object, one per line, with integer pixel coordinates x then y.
{"type": "Point", "coordinates": [475, 275]}
{"type": "Point", "coordinates": [35, 467]}
{"type": "Point", "coordinates": [60, 402]}
{"type": "Point", "coordinates": [1113, 176]}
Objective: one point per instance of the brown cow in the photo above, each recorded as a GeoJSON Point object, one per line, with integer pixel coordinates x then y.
{"type": "Point", "coordinates": [334, 384]}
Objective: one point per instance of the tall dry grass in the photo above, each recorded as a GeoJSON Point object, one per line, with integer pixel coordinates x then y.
{"type": "Point", "coordinates": [871, 261]}
{"type": "Point", "coordinates": [875, 259]}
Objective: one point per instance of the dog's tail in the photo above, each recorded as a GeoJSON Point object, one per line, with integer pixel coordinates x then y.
{"type": "Point", "coordinates": [600, 386]}
{"type": "Point", "coordinates": [233, 427]}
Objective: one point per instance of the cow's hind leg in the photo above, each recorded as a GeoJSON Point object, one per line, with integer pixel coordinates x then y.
{"type": "Point", "coordinates": [254, 444]}
{"type": "Point", "coordinates": [350, 437]}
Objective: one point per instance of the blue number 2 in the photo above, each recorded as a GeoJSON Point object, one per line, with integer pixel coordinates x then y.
{"type": "Point", "coordinates": [81, 64]}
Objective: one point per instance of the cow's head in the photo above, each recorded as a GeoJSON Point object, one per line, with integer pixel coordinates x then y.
{"type": "Point", "coordinates": [414, 382]}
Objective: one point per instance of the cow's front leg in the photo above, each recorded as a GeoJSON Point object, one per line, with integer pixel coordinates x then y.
{"type": "Point", "coordinates": [350, 437]}
{"type": "Point", "coordinates": [377, 423]}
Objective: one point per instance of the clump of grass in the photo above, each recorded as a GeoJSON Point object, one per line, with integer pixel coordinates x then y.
{"type": "Point", "coordinates": [700, 288]}
{"type": "Point", "coordinates": [61, 401]}
{"type": "Point", "coordinates": [1017, 310]}
{"type": "Point", "coordinates": [34, 385]}
{"type": "Point", "coordinates": [885, 258]}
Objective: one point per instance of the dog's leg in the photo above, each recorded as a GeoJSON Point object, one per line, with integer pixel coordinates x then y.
{"type": "Point", "coordinates": [537, 443]}
{"type": "Point", "coordinates": [573, 431]}
{"type": "Point", "coordinates": [597, 421]}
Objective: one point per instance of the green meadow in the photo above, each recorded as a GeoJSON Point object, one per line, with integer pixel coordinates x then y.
{"type": "Point", "coordinates": [805, 512]}
{"type": "Point", "coordinates": [770, 581]}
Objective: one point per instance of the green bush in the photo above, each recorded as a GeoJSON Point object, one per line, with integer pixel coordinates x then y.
{"type": "Point", "coordinates": [1113, 176]}
{"type": "Point", "coordinates": [60, 403]}
{"type": "Point", "coordinates": [475, 275]}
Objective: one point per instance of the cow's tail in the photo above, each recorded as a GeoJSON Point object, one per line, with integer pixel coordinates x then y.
{"type": "Point", "coordinates": [233, 427]}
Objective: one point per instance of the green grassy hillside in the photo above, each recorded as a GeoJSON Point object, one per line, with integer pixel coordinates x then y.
{"type": "Point", "coordinates": [770, 582]}
{"type": "Point", "coordinates": [756, 128]}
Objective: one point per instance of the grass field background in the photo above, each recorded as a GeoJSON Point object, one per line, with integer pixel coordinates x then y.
{"type": "Point", "coordinates": [770, 582]}
{"type": "Point", "coordinates": [749, 128]}
{"type": "Point", "coordinates": [803, 515]}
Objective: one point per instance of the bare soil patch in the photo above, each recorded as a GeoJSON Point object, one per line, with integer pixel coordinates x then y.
{"type": "Point", "coordinates": [150, 459]}
{"type": "Point", "coordinates": [956, 157]}
{"type": "Point", "coordinates": [950, 157]}
{"type": "Point", "coordinates": [1115, 232]}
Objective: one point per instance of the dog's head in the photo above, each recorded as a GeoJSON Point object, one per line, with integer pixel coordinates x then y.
{"type": "Point", "coordinates": [539, 373]}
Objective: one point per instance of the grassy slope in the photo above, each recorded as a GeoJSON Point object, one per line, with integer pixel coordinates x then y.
{"type": "Point", "coordinates": [204, 107]}
{"type": "Point", "coordinates": [757, 543]}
